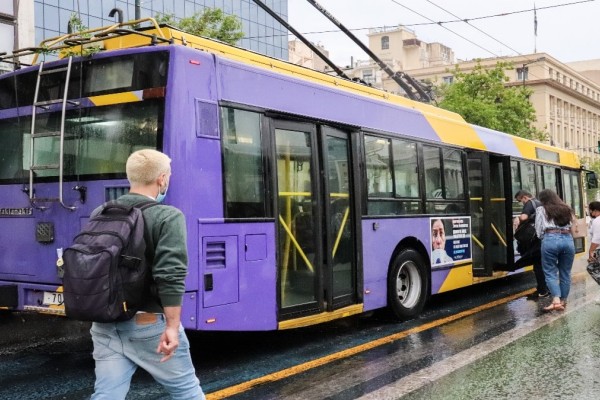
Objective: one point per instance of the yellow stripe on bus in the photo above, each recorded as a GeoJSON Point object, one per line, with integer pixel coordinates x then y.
{"type": "Point", "coordinates": [452, 132]}
{"type": "Point", "coordinates": [116, 98]}
{"type": "Point", "coordinates": [458, 277]}
{"type": "Point", "coordinates": [352, 351]}
{"type": "Point", "coordinates": [529, 148]}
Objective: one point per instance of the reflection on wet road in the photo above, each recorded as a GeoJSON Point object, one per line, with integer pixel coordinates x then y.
{"type": "Point", "coordinates": [483, 342]}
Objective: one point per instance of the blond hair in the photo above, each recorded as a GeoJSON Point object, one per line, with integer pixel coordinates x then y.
{"type": "Point", "coordinates": [144, 166]}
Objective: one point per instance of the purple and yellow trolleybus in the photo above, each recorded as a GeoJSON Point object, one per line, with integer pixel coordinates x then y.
{"type": "Point", "coordinates": [307, 197]}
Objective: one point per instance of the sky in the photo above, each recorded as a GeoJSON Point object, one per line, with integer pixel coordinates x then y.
{"type": "Point", "coordinates": [568, 30]}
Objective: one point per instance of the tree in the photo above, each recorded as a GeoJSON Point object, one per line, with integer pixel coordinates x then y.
{"type": "Point", "coordinates": [591, 164]}
{"type": "Point", "coordinates": [212, 23]}
{"type": "Point", "coordinates": [482, 99]}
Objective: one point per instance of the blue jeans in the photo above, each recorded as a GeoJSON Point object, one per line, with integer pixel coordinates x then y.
{"type": "Point", "coordinates": [558, 253]}
{"type": "Point", "coordinates": [120, 347]}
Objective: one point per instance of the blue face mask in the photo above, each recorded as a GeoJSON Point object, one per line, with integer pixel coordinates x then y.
{"type": "Point", "coordinates": [161, 195]}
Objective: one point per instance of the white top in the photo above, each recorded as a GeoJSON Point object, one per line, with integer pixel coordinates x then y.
{"type": "Point", "coordinates": [542, 223]}
{"type": "Point", "coordinates": [595, 230]}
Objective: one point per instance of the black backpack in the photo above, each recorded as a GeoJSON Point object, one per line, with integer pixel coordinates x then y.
{"type": "Point", "coordinates": [106, 274]}
{"type": "Point", "coordinates": [525, 234]}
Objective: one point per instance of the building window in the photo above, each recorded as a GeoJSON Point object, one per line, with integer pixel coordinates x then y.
{"type": "Point", "coordinates": [522, 74]}
{"type": "Point", "coordinates": [368, 76]}
{"type": "Point", "coordinates": [385, 42]}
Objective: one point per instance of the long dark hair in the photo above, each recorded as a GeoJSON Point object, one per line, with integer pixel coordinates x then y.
{"type": "Point", "coordinates": [556, 209]}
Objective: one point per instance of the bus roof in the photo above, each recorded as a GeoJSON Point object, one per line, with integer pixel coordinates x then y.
{"type": "Point", "coordinates": [450, 126]}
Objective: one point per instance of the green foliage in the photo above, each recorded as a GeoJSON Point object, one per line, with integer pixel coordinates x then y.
{"type": "Point", "coordinates": [591, 164]}
{"type": "Point", "coordinates": [82, 50]}
{"type": "Point", "coordinates": [482, 99]}
{"type": "Point", "coordinates": [212, 23]}
{"type": "Point", "coordinates": [77, 24]}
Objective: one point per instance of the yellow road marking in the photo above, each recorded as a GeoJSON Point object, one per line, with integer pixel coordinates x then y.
{"type": "Point", "coordinates": [286, 373]}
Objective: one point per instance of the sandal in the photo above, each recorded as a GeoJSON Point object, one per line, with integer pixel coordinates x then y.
{"type": "Point", "coordinates": [554, 307]}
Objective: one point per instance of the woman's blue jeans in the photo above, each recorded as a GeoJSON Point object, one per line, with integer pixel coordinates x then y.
{"type": "Point", "coordinates": [120, 347]}
{"type": "Point", "coordinates": [558, 253]}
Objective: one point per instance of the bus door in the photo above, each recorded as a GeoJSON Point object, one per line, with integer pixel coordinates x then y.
{"type": "Point", "coordinates": [488, 191]}
{"type": "Point", "coordinates": [316, 253]}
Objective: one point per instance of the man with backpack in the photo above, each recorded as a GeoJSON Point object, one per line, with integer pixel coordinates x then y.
{"type": "Point", "coordinates": [533, 248]}
{"type": "Point", "coordinates": [153, 338]}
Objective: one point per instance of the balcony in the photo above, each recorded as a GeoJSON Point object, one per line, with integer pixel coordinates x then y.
{"type": "Point", "coordinates": [411, 43]}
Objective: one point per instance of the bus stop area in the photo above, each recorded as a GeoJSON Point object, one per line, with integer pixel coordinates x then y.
{"type": "Point", "coordinates": [511, 349]}
{"type": "Point", "coordinates": [486, 341]}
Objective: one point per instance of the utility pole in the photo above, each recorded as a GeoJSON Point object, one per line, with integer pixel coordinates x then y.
{"type": "Point", "coordinates": [138, 13]}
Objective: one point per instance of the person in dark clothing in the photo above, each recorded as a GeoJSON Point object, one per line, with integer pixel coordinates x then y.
{"type": "Point", "coordinates": [527, 216]}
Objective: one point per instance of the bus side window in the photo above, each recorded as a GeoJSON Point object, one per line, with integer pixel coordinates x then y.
{"type": "Point", "coordinates": [243, 169]}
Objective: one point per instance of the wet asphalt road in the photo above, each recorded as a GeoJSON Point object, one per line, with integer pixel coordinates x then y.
{"type": "Point", "coordinates": [510, 350]}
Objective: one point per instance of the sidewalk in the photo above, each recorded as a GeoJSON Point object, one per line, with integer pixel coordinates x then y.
{"type": "Point", "coordinates": [550, 356]}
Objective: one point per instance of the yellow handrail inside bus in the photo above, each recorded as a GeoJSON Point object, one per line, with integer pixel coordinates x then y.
{"type": "Point", "coordinates": [296, 245]}
{"type": "Point", "coordinates": [287, 223]}
{"type": "Point", "coordinates": [499, 235]}
{"type": "Point", "coordinates": [477, 241]}
{"type": "Point", "coordinates": [341, 230]}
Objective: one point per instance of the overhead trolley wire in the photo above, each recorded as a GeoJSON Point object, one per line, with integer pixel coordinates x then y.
{"type": "Point", "coordinates": [505, 14]}
{"type": "Point", "coordinates": [466, 21]}
{"type": "Point", "coordinates": [445, 27]}
{"type": "Point", "coordinates": [485, 33]}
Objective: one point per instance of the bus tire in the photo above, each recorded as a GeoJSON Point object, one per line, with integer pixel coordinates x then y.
{"type": "Point", "coordinates": [408, 285]}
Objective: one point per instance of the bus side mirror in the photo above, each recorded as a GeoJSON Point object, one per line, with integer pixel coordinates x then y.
{"type": "Point", "coordinates": [591, 180]}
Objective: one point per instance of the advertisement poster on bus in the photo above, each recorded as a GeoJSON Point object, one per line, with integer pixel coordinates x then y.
{"type": "Point", "coordinates": [450, 240]}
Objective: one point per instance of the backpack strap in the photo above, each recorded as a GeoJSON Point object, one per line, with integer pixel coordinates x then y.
{"type": "Point", "coordinates": [536, 203]}
{"type": "Point", "coordinates": [146, 204]}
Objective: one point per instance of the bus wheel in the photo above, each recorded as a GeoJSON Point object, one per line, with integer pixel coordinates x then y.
{"type": "Point", "coordinates": [408, 284]}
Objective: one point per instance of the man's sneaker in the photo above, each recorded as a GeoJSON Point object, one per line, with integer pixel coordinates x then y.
{"type": "Point", "coordinates": [536, 295]}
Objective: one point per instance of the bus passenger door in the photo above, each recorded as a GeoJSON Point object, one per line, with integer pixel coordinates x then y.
{"type": "Point", "coordinates": [316, 266]}
{"type": "Point", "coordinates": [340, 277]}
{"type": "Point", "coordinates": [488, 205]}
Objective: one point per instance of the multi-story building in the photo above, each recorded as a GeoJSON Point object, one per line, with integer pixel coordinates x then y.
{"type": "Point", "coordinates": [567, 102]}
{"type": "Point", "coordinates": [566, 97]}
{"type": "Point", "coordinates": [11, 31]}
{"type": "Point", "coordinates": [401, 44]}
{"type": "Point", "coordinates": [401, 50]}
{"type": "Point", "coordinates": [262, 33]}
{"type": "Point", "coordinates": [301, 54]}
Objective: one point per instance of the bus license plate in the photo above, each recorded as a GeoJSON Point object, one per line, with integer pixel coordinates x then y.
{"type": "Point", "coordinates": [53, 298]}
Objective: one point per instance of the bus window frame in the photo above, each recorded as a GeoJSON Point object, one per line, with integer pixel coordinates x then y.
{"type": "Point", "coordinates": [423, 200]}
{"type": "Point", "coordinates": [266, 162]}
{"type": "Point", "coordinates": [539, 179]}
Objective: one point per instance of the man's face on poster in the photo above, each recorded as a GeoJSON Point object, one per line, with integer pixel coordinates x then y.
{"type": "Point", "coordinates": [438, 235]}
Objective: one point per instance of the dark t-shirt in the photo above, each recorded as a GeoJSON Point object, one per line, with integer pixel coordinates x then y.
{"type": "Point", "coordinates": [530, 206]}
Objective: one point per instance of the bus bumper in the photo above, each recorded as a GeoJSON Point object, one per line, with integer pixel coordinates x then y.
{"type": "Point", "coordinates": [44, 299]}
{"type": "Point", "coordinates": [9, 297]}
